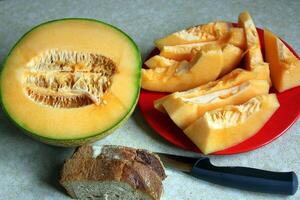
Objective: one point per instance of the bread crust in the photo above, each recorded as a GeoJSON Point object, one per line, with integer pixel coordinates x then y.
{"type": "Point", "coordinates": [139, 168]}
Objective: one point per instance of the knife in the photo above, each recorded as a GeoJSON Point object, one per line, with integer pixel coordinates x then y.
{"type": "Point", "coordinates": [245, 178]}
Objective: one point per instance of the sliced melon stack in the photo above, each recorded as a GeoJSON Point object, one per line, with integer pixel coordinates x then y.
{"type": "Point", "coordinates": [284, 65]}
{"type": "Point", "coordinates": [226, 111]}
{"type": "Point", "coordinates": [194, 56]}
{"type": "Point", "coordinates": [71, 81]}
{"type": "Point", "coordinates": [232, 124]}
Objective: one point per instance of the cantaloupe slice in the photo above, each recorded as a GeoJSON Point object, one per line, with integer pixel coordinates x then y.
{"type": "Point", "coordinates": [253, 58]}
{"type": "Point", "coordinates": [71, 81]}
{"type": "Point", "coordinates": [284, 65]}
{"type": "Point", "coordinates": [235, 77]}
{"type": "Point", "coordinates": [254, 54]}
{"type": "Point", "coordinates": [206, 66]}
{"type": "Point", "coordinates": [158, 61]}
{"type": "Point", "coordinates": [232, 56]}
{"type": "Point", "coordinates": [224, 127]}
{"type": "Point", "coordinates": [235, 37]}
{"type": "Point", "coordinates": [163, 67]}
{"type": "Point", "coordinates": [202, 33]}
{"type": "Point", "coordinates": [185, 108]}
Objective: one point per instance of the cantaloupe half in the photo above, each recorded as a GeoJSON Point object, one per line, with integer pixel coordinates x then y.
{"type": "Point", "coordinates": [284, 65]}
{"type": "Point", "coordinates": [205, 66]}
{"type": "Point", "coordinates": [186, 107]}
{"type": "Point", "coordinates": [253, 58]}
{"type": "Point", "coordinates": [71, 81]}
{"type": "Point", "coordinates": [235, 37]}
{"type": "Point", "coordinates": [202, 33]}
{"type": "Point", "coordinates": [224, 127]}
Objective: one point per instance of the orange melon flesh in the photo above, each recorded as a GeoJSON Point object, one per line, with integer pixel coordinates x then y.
{"type": "Point", "coordinates": [185, 108]}
{"type": "Point", "coordinates": [202, 33]}
{"type": "Point", "coordinates": [232, 56]}
{"type": "Point", "coordinates": [235, 77]}
{"type": "Point", "coordinates": [284, 65]}
{"type": "Point", "coordinates": [235, 37]}
{"type": "Point", "coordinates": [183, 51]}
{"type": "Point", "coordinates": [158, 61]}
{"type": "Point", "coordinates": [222, 128]}
{"type": "Point", "coordinates": [72, 125]}
{"type": "Point", "coordinates": [205, 67]}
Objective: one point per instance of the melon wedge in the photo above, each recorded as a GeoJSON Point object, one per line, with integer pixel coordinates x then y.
{"type": "Point", "coordinates": [235, 37]}
{"type": "Point", "coordinates": [206, 66]}
{"type": "Point", "coordinates": [71, 81]}
{"type": "Point", "coordinates": [222, 128]}
{"type": "Point", "coordinates": [284, 65]}
{"type": "Point", "coordinates": [254, 54]}
{"type": "Point", "coordinates": [232, 56]}
{"type": "Point", "coordinates": [234, 78]}
{"type": "Point", "coordinates": [202, 33]}
{"type": "Point", "coordinates": [185, 108]}
{"type": "Point", "coordinates": [253, 58]}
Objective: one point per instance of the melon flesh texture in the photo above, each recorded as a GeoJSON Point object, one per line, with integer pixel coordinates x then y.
{"type": "Point", "coordinates": [183, 51]}
{"type": "Point", "coordinates": [71, 81]}
{"type": "Point", "coordinates": [253, 58]}
{"type": "Point", "coordinates": [284, 65]}
{"type": "Point", "coordinates": [234, 78]}
{"type": "Point", "coordinates": [205, 66]}
{"type": "Point", "coordinates": [202, 33]}
{"type": "Point", "coordinates": [235, 37]}
{"type": "Point", "coordinates": [225, 127]}
{"type": "Point", "coordinates": [185, 109]}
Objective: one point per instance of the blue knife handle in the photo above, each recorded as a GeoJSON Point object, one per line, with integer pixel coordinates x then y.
{"type": "Point", "coordinates": [246, 178]}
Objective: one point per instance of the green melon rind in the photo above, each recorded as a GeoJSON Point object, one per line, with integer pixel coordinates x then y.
{"type": "Point", "coordinates": [94, 136]}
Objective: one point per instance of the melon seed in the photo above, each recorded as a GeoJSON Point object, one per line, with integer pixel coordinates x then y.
{"type": "Point", "coordinates": [68, 79]}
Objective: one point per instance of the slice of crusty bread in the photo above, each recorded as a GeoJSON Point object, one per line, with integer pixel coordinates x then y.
{"type": "Point", "coordinates": [114, 173]}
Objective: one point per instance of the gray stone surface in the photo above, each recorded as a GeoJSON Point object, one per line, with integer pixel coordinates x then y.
{"type": "Point", "coordinates": [29, 169]}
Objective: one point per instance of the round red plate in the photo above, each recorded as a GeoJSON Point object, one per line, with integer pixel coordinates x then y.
{"type": "Point", "coordinates": [278, 124]}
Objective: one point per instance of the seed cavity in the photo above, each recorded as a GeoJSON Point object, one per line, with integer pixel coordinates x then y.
{"type": "Point", "coordinates": [68, 79]}
{"type": "Point", "coordinates": [232, 116]}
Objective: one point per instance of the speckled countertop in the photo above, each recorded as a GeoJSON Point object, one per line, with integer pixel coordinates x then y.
{"type": "Point", "coordinates": [29, 169]}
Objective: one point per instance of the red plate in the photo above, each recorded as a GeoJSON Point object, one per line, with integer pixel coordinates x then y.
{"type": "Point", "coordinates": [278, 124]}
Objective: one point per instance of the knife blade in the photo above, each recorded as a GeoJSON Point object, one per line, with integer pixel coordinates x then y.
{"type": "Point", "coordinates": [244, 178]}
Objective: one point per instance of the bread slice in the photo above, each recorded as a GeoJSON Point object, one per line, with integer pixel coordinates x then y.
{"type": "Point", "coordinates": [113, 173]}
